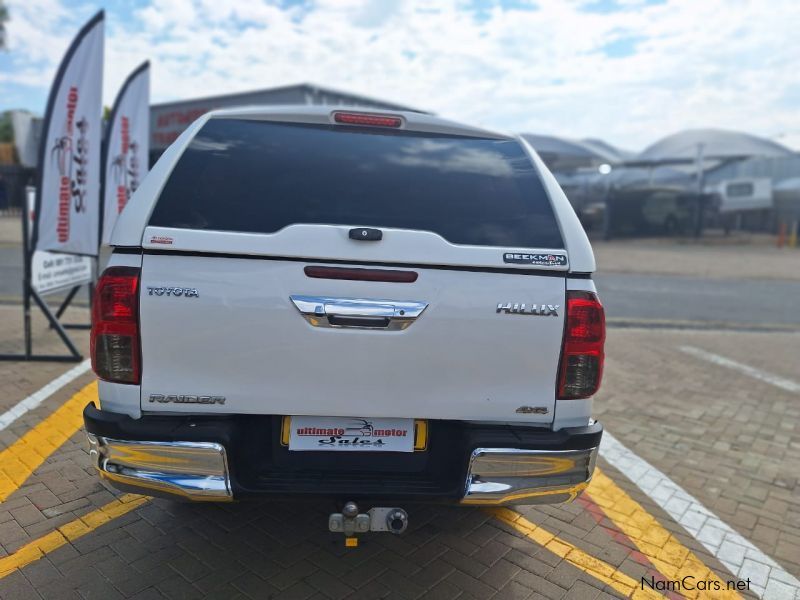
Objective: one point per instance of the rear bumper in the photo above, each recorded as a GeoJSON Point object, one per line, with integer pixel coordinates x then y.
{"type": "Point", "coordinates": [222, 458]}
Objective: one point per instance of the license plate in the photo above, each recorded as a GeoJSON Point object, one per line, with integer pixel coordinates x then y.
{"type": "Point", "coordinates": [353, 434]}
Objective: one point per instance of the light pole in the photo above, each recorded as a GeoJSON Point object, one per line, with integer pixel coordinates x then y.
{"type": "Point", "coordinates": [699, 160]}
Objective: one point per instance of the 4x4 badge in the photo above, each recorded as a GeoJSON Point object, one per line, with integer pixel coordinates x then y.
{"type": "Point", "coordinates": [532, 410]}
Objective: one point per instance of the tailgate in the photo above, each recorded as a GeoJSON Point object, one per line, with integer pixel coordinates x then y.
{"type": "Point", "coordinates": [238, 343]}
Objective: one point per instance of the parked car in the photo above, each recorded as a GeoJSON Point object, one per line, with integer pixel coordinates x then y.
{"type": "Point", "coordinates": [373, 307]}
{"type": "Point", "coordinates": [648, 211]}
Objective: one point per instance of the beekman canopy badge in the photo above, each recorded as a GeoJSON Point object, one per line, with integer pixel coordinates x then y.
{"type": "Point", "coordinates": [539, 259]}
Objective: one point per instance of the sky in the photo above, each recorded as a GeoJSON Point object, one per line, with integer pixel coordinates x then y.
{"type": "Point", "coordinates": [626, 71]}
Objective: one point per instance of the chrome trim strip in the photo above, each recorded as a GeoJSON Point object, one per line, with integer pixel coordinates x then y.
{"type": "Point", "coordinates": [193, 470]}
{"type": "Point", "coordinates": [500, 476]}
{"type": "Point", "coordinates": [390, 315]}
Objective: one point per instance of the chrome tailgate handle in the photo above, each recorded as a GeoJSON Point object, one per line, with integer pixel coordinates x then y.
{"type": "Point", "coordinates": [342, 307]}
{"type": "Point", "coordinates": [358, 313]}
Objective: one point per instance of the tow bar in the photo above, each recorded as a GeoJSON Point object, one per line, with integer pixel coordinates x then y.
{"type": "Point", "coordinates": [380, 518]}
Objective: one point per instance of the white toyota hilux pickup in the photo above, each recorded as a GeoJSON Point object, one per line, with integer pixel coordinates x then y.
{"type": "Point", "coordinates": [367, 306]}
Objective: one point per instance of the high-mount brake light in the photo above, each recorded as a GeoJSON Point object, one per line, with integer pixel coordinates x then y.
{"type": "Point", "coordinates": [385, 275]}
{"type": "Point", "coordinates": [115, 345]}
{"type": "Point", "coordinates": [582, 354]}
{"type": "Point", "coordinates": [350, 118]}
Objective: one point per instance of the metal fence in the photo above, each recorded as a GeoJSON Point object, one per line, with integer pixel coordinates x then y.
{"type": "Point", "coordinates": [13, 179]}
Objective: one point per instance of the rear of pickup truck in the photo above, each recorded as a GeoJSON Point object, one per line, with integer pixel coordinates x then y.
{"type": "Point", "coordinates": [358, 305]}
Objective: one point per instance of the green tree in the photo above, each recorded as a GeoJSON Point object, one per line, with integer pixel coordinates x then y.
{"type": "Point", "coordinates": [6, 131]}
{"type": "Point", "coordinates": [3, 21]}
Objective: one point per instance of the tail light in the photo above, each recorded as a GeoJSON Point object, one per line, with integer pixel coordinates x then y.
{"type": "Point", "coordinates": [582, 355]}
{"type": "Point", "coordinates": [115, 326]}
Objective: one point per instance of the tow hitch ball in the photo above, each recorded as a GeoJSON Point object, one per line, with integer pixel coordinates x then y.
{"type": "Point", "coordinates": [381, 518]}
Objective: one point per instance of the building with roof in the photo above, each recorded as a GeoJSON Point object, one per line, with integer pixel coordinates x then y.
{"type": "Point", "coordinates": [710, 144]}
{"type": "Point", "coordinates": [564, 155]}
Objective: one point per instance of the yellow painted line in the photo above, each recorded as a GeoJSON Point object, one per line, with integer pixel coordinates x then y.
{"type": "Point", "coordinates": [69, 532]}
{"type": "Point", "coordinates": [23, 457]}
{"type": "Point", "coordinates": [663, 550]}
{"type": "Point", "coordinates": [600, 570]}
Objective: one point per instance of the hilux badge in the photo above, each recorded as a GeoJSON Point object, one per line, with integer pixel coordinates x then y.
{"type": "Point", "coordinates": [541, 310]}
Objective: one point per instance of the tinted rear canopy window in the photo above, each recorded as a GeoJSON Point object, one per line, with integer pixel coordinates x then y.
{"type": "Point", "coordinates": [259, 177]}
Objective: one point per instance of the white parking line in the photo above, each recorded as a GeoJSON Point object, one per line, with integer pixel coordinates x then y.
{"type": "Point", "coordinates": [35, 399]}
{"type": "Point", "coordinates": [776, 380]}
{"type": "Point", "coordinates": [768, 579]}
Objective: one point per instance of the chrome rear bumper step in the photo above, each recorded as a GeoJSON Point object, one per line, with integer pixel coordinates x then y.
{"type": "Point", "coordinates": [193, 470]}
{"type": "Point", "coordinates": [507, 476]}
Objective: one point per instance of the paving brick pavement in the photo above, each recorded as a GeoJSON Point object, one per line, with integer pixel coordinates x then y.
{"type": "Point", "coordinates": [728, 440]}
{"type": "Point", "coordinates": [731, 441]}
{"type": "Point", "coordinates": [20, 379]}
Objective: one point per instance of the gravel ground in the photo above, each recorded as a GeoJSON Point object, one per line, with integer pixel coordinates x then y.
{"type": "Point", "coordinates": [740, 257]}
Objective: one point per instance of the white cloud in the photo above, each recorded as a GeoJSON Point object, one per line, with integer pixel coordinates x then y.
{"type": "Point", "coordinates": [715, 63]}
